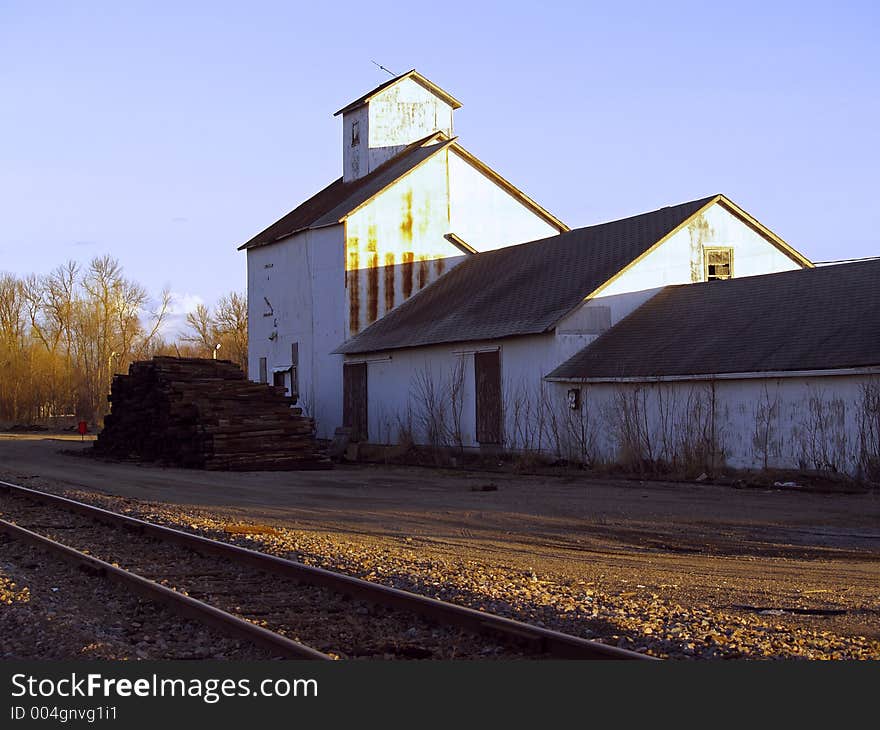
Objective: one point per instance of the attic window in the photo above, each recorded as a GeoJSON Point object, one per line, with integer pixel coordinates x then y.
{"type": "Point", "coordinates": [355, 134]}
{"type": "Point", "coordinates": [719, 263]}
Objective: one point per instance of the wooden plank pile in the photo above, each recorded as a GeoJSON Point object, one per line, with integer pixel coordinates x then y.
{"type": "Point", "coordinates": [206, 414]}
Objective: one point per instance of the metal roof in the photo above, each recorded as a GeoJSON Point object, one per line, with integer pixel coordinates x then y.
{"type": "Point", "coordinates": [524, 289]}
{"type": "Point", "coordinates": [823, 318]}
{"type": "Point", "coordinates": [415, 76]}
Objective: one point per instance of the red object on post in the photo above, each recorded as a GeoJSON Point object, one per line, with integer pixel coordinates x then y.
{"type": "Point", "coordinates": [83, 428]}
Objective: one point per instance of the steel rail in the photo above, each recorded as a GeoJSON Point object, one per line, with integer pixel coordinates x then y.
{"type": "Point", "coordinates": [539, 640]}
{"type": "Point", "coordinates": [178, 602]}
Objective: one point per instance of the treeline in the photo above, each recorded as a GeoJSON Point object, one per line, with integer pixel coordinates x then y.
{"type": "Point", "coordinates": [64, 335]}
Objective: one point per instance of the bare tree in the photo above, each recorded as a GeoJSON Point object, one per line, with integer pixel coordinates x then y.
{"type": "Point", "coordinates": [201, 325]}
{"type": "Point", "coordinates": [12, 345]}
{"type": "Point", "coordinates": [230, 323]}
{"type": "Point", "coordinates": [63, 335]}
{"type": "Point", "coordinates": [226, 326]}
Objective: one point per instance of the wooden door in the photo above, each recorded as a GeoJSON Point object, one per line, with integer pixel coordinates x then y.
{"type": "Point", "coordinates": [487, 377]}
{"type": "Point", "coordinates": [354, 400]}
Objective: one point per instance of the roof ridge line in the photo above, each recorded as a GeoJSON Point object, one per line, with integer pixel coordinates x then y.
{"type": "Point", "coordinates": [421, 80]}
{"type": "Point", "coordinates": [350, 188]}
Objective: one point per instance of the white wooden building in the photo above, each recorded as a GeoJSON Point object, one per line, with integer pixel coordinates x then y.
{"type": "Point", "coordinates": [491, 329]}
{"type": "Point", "coordinates": [422, 296]}
{"type": "Point", "coordinates": [779, 371]}
{"type": "Point", "coordinates": [411, 204]}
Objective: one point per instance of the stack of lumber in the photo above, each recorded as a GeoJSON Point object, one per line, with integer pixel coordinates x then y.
{"type": "Point", "coordinates": [206, 414]}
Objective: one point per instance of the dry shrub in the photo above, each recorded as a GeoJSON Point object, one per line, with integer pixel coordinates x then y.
{"type": "Point", "coordinates": [822, 437]}
{"type": "Point", "coordinates": [868, 409]}
{"type": "Point", "coordinates": [434, 412]}
{"type": "Point", "coordinates": [656, 431]}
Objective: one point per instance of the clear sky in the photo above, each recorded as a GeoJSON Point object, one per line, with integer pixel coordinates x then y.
{"type": "Point", "coordinates": [167, 134]}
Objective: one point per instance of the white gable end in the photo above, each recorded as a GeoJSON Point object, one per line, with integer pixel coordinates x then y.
{"type": "Point", "coordinates": [680, 259]}
{"type": "Point", "coordinates": [406, 112]}
{"type": "Point", "coordinates": [396, 245]}
{"type": "Point", "coordinates": [382, 127]}
{"type": "Point", "coordinates": [484, 214]}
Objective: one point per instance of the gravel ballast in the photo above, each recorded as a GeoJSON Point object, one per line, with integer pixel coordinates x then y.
{"type": "Point", "coordinates": [50, 611]}
{"type": "Point", "coordinates": [650, 610]}
{"type": "Point", "coordinates": [316, 616]}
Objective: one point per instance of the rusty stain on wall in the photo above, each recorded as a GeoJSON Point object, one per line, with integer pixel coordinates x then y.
{"type": "Point", "coordinates": [424, 271]}
{"type": "Point", "coordinates": [406, 225]}
{"type": "Point", "coordinates": [425, 217]}
{"type": "Point", "coordinates": [408, 258]}
{"type": "Point", "coordinates": [372, 288]}
{"type": "Point", "coordinates": [389, 282]}
{"type": "Point", "coordinates": [700, 231]}
{"type": "Point", "coordinates": [353, 275]}
{"type": "Point", "coordinates": [372, 277]}
{"type": "Point", "coordinates": [399, 239]}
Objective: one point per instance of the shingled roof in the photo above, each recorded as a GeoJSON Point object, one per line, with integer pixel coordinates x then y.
{"type": "Point", "coordinates": [520, 290]}
{"type": "Point", "coordinates": [825, 318]}
{"type": "Point", "coordinates": [339, 198]}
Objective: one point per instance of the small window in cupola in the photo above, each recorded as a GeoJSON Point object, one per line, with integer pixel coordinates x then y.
{"type": "Point", "coordinates": [355, 134]}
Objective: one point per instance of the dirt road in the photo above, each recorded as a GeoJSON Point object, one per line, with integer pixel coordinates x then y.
{"type": "Point", "coordinates": [693, 544]}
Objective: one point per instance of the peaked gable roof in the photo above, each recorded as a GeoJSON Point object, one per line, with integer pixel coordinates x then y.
{"type": "Point", "coordinates": [411, 74]}
{"type": "Point", "coordinates": [339, 199]}
{"type": "Point", "coordinates": [822, 318]}
{"type": "Point", "coordinates": [524, 289]}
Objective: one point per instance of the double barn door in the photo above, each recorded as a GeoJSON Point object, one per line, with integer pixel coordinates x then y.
{"type": "Point", "coordinates": [487, 380]}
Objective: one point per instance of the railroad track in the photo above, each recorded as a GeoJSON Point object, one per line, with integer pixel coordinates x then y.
{"type": "Point", "coordinates": [292, 609]}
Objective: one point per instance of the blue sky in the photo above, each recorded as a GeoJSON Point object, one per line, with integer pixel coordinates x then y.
{"type": "Point", "coordinates": [166, 134]}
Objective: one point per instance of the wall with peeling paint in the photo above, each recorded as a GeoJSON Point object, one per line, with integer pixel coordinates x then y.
{"type": "Point", "coordinates": [394, 118]}
{"type": "Point", "coordinates": [801, 422]}
{"type": "Point", "coordinates": [355, 147]}
{"type": "Point", "coordinates": [402, 114]}
{"type": "Point", "coordinates": [395, 245]}
{"type": "Point", "coordinates": [679, 260]}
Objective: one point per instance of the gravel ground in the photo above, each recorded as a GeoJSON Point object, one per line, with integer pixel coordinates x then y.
{"type": "Point", "coordinates": [655, 615]}
{"type": "Point", "coordinates": [312, 615]}
{"type": "Point", "coordinates": [48, 611]}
